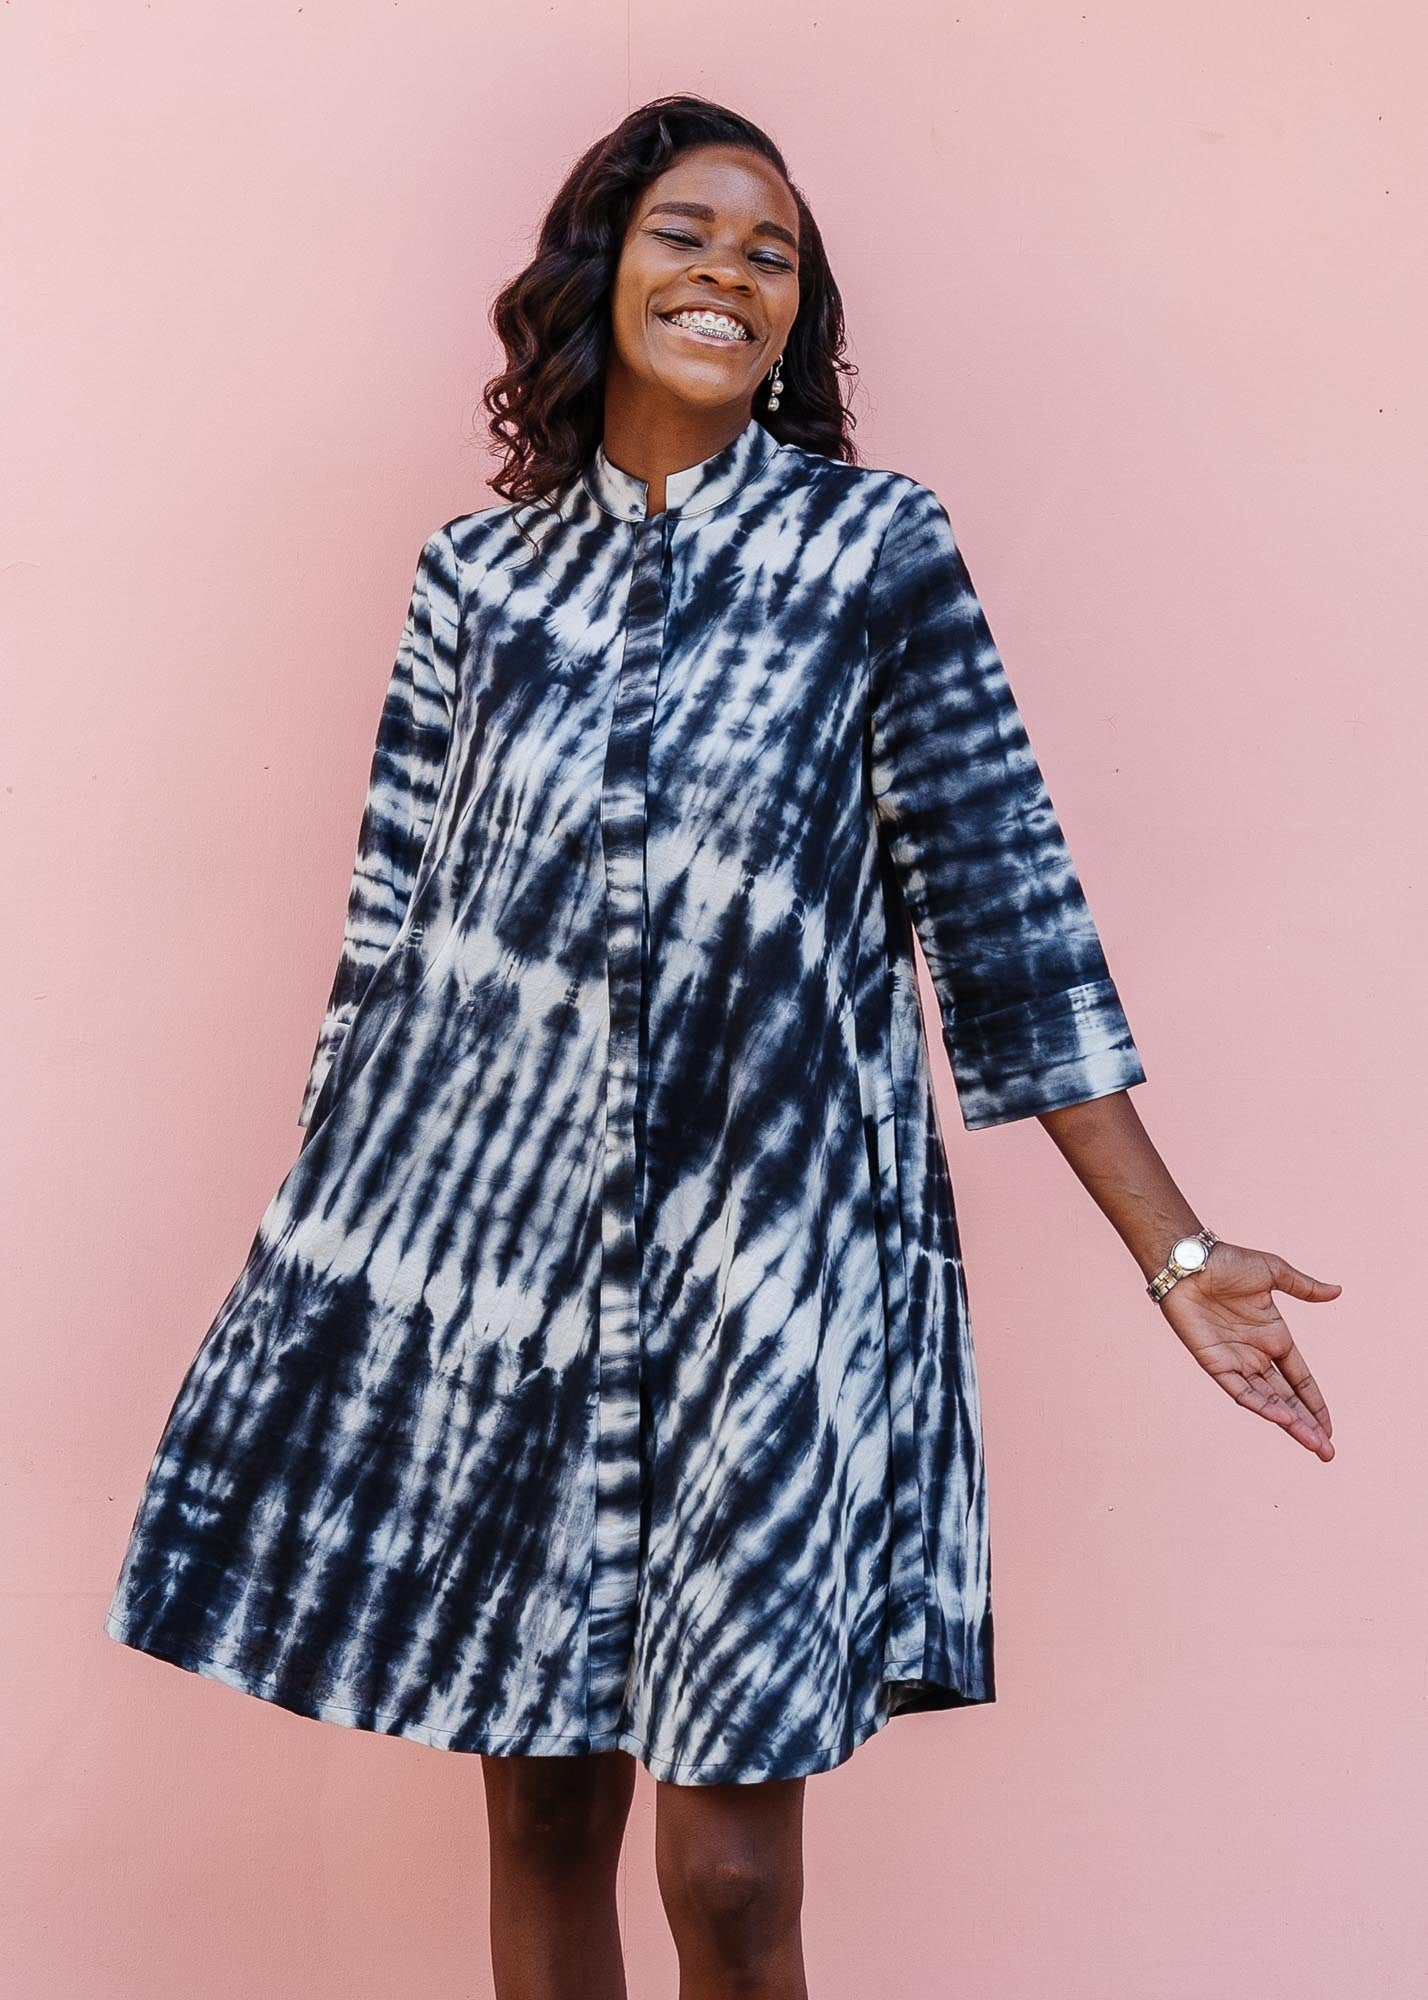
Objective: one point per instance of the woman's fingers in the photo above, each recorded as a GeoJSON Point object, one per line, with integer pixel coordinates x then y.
{"type": "Point", "coordinates": [1272, 1398]}
{"type": "Point", "coordinates": [1295, 1370]}
{"type": "Point", "coordinates": [1299, 1284]}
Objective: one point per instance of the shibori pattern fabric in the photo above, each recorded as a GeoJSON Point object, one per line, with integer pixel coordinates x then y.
{"type": "Point", "coordinates": [601, 1375]}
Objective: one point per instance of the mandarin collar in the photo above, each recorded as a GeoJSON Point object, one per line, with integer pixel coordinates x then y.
{"type": "Point", "coordinates": [694, 489]}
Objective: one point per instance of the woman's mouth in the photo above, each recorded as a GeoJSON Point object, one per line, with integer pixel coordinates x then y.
{"type": "Point", "coordinates": [708, 325]}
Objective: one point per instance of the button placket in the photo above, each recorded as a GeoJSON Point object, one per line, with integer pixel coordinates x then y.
{"type": "Point", "coordinates": [614, 1582]}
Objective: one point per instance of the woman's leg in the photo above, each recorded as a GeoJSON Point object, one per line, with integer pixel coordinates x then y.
{"type": "Point", "coordinates": [556, 1825]}
{"type": "Point", "coordinates": [729, 1861]}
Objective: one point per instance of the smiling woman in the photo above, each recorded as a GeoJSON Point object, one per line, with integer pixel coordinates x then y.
{"type": "Point", "coordinates": [700, 313]}
{"type": "Point", "coordinates": [600, 1385]}
{"type": "Point", "coordinates": [684, 207]}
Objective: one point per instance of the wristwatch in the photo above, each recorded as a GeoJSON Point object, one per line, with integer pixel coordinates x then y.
{"type": "Point", "coordinates": [1187, 1253]}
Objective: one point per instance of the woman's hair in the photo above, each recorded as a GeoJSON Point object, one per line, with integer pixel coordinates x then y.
{"type": "Point", "coordinates": [547, 408]}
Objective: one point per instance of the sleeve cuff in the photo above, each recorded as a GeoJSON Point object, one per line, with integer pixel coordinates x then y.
{"type": "Point", "coordinates": [1063, 1048]}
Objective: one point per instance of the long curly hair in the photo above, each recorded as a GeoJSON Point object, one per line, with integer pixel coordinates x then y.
{"type": "Point", "coordinates": [546, 408]}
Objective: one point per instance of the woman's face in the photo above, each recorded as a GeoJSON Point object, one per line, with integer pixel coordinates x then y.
{"type": "Point", "coordinates": [717, 231]}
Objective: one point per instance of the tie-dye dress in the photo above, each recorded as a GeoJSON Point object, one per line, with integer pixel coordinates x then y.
{"type": "Point", "coordinates": [600, 1375]}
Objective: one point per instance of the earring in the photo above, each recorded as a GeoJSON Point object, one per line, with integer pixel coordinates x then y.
{"type": "Point", "coordinates": [775, 383]}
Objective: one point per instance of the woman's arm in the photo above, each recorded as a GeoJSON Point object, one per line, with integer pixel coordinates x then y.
{"type": "Point", "coordinates": [1224, 1313]}
{"type": "Point", "coordinates": [413, 736]}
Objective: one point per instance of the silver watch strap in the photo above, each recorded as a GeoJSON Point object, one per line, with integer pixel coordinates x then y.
{"type": "Point", "coordinates": [1167, 1276]}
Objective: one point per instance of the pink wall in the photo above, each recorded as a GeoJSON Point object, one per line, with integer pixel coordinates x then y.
{"type": "Point", "coordinates": [1139, 290]}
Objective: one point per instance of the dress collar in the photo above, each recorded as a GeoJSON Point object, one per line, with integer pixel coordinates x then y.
{"type": "Point", "coordinates": [695, 489]}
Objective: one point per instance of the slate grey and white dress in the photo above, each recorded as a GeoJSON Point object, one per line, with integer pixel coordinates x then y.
{"type": "Point", "coordinates": [600, 1375]}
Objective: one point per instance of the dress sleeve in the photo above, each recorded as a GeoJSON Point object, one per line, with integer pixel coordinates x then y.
{"type": "Point", "coordinates": [413, 735]}
{"type": "Point", "coordinates": [1030, 1015]}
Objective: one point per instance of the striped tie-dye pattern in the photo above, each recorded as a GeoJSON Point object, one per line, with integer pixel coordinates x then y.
{"type": "Point", "coordinates": [600, 1375]}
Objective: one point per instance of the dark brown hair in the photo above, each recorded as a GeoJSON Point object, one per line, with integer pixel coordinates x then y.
{"type": "Point", "coordinates": [546, 408]}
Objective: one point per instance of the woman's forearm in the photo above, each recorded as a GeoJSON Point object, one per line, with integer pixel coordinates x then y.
{"type": "Point", "coordinates": [1112, 1156]}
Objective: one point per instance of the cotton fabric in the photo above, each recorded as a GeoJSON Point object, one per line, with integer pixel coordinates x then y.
{"type": "Point", "coordinates": [601, 1374]}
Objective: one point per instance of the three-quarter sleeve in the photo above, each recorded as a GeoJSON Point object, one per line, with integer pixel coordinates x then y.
{"type": "Point", "coordinates": [413, 736]}
{"type": "Point", "coordinates": [1031, 1018]}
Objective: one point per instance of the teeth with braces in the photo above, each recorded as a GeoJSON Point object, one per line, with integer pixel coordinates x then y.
{"type": "Point", "coordinates": [709, 322]}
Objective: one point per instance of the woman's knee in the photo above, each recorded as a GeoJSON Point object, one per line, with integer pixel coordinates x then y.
{"type": "Point", "coordinates": [558, 1813]}
{"type": "Point", "coordinates": [737, 1905]}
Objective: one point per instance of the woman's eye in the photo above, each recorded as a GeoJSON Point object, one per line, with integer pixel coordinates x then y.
{"type": "Point", "coordinates": [770, 262]}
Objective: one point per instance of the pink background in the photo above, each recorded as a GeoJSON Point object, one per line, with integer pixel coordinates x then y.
{"type": "Point", "coordinates": [1139, 291]}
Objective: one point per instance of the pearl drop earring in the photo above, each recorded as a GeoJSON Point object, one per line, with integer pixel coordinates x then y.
{"type": "Point", "coordinates": [775, 383]}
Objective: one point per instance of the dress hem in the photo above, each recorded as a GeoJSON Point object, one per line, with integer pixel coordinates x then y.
{"type": "Point", "coordinates": [548, 1743]}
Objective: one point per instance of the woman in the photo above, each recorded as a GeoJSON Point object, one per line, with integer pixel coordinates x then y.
{"type": "Point", "coordinates": [599, 1385]}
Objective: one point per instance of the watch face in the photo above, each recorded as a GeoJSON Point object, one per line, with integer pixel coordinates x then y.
{"type": "Point", "coordinates": [1189, 1253]}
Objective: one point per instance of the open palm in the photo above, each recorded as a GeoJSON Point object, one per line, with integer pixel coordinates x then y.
{"type": "Point", "coordinates": [1225, 1314]}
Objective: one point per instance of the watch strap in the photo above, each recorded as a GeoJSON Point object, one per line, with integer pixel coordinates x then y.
{"type": "Point", "coordinates": [1171, 1273]}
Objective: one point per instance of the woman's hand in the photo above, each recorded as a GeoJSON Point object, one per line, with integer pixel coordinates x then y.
{"type": "Point", "coordinates": [1224, 1312]}
{"type": "Point", "coordinates": [1226, 1315]}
